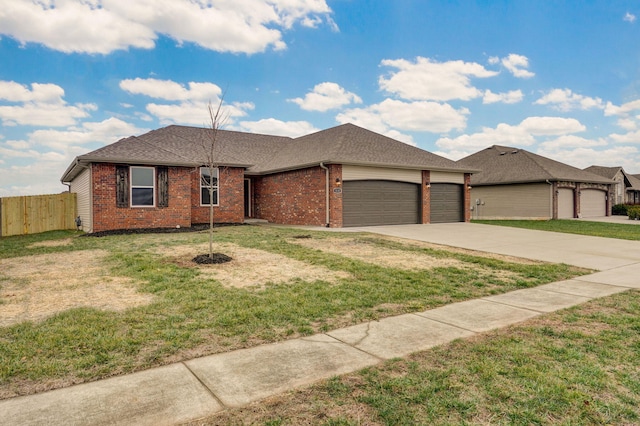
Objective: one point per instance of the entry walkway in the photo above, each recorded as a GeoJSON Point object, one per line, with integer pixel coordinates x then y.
{"type": "Point", "coordinates": [202, 387]}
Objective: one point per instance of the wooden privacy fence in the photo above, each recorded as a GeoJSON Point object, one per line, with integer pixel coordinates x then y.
{"type": "Point", "coordinates": [37, 213]}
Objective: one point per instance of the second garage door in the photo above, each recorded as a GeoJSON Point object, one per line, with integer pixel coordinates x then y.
{"type": "Point", "coordinates": [593, 203]}
{"type": "Point", "coordinates": [446, 203]}
{"type": "Point", "coordinates": [380, 202]}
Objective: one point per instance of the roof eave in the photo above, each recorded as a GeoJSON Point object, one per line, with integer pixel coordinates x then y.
{"type": "Point", "coordinates": [82, 162]}
{"type": "Point", "coordinates": [360, 163]}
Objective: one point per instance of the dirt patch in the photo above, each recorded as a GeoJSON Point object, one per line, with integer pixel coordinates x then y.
{"type": "Point", "coordinates": [372, 253]}
{"type": "Point", "coordinates": [33, 288]}
{"type": "Point", "coordinates": [251, 267]}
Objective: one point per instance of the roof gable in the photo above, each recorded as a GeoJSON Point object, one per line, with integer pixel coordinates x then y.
{"type": "Point", "coordinates": [503, 165]}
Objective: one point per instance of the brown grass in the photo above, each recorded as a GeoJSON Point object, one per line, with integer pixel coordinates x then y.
{"type": "Point", "coordinates": [250, 267]}
{"type": "Point", "coordinates": [37, 287]}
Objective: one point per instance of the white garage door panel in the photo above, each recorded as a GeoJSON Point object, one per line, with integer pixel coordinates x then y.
{"type": "Point", "coordinates": [593, 203]}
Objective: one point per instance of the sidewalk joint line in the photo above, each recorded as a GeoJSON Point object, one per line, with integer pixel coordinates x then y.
{"type": "Point", "coordinates": [215, 397]}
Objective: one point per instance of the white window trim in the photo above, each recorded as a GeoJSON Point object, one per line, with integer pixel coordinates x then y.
{"type": "Point", "coordinates": [216, 188]}
{"type": "Point", "coordinates": [131, 187]}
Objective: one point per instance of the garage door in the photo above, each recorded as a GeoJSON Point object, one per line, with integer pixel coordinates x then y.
{"type": "Point", "coordinates": [565, 203]}
{"type": "Point", "coordinates": [447, 203]}
{"type": "Point", "coordinates": [380, 202]}
{"type": "Point", "coordinates": [593, 203]}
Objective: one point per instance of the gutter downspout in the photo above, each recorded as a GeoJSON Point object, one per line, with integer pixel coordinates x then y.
{"type": "Point", "coordinates": [326, 173]}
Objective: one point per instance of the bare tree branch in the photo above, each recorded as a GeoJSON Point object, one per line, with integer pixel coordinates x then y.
{"type": "Point", "coordinates": [217, 118]}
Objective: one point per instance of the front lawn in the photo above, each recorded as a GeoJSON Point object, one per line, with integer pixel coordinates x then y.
{"type": "Point", "coordinates": [581, 227]}
{"type": "Point", "coordinates": [76, 309]}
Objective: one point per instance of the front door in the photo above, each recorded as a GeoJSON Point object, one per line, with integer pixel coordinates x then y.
{"type": "Point", "coordinates": [247, 198]}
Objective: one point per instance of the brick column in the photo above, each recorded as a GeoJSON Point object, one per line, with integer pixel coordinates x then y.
{"type": "Point", "coordinates": [467, 197]}
{"type": "Point", "coordinates": [425, 201]}
{"type": "Point", "coordinates": [335, 195]}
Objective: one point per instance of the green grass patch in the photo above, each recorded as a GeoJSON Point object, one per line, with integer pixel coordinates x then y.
{"type": "Point", "coordinates": [581, 227]}
{"type": "Point", "coordinates": [574, 367]}
{"type": "Point", "coordinates": [195, 315]}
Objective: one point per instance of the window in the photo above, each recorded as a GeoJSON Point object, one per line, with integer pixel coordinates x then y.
{"type": "Point", "coordinates": [142, 186]}
{"type": "Point", "coordinates": [205, 181]}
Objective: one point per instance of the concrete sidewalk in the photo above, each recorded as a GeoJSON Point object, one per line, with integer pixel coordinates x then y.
{"type": "Point", "coordinates": [201, 387]}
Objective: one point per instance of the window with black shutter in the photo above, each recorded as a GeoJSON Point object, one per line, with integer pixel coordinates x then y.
{"type": "Point", "coordinates": [163, 186]}
{"type": "Point", "coordinates": [122, 186]}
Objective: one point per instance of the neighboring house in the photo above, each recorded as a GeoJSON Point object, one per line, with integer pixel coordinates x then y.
{"type": "Point", "coordinates": [343, 176]}
{"type": "Point", "coordinates": [517, 184]}
{"type": "Point", "coordinates": [626, 187]}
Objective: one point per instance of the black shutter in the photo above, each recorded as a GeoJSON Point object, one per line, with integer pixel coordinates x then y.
{"type": "Point", "coordinates": [163, 186]}
{"type": "Point", "coordinates": [122, 186]}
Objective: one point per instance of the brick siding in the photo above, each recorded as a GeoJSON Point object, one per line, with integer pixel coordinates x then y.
{"type": "Point", "coordinates": [230, 207]}
{"type": "Point", "coordinates": [296, 197]}
{"type": "Point", "coordinates": [106, 216]}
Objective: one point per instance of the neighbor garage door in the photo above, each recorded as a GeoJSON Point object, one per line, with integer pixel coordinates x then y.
{"type": "Point", "coordinates": [447, 203]}
{"type": "Point", "coordinates": [565, 203]}
{"type": "Point", "coordinates": [593, 203]}
{"type": "Point", "coordinates": [380, 202]}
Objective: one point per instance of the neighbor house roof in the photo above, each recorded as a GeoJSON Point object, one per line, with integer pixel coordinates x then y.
{"type": "Point", "coordinates": [262, 154]}
{"type": "Point", "coordinates": [504, 165]}
{"type": "Point", "coordinates": [631, 182]}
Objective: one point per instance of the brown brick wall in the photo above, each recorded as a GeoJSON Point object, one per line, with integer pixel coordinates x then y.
{"type": "Point", "coordinates": [296, 197]}
{"type": "Point", "coordinates": [107, 216]}
{"type": "Point", "coordinates": [231, 198]}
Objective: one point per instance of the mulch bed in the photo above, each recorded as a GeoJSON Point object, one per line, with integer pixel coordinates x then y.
{"type": "Point", "coordinates": [193, 228]}
{"type": "Point", "coordinates": [204, 259]}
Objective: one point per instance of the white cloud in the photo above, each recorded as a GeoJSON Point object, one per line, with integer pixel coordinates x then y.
{"type": "Point", "coordinates": [503, 134]}
{"type": "Point", "coordinates": [629, 17]}
{"type": "Point", "coordinates": [523, 134]}
{"type": "Point", "coordinates": [630, 137]}
{"type": "Point", "coordinates": [171, 91]}
{"type": "Point", "coordinates": [271, 126]}
{"type": "Point", "coordinates": [549, 126]}
{"type": "Point", "coordinates": [195, 113]}
{"type": "Point", "coordinates": [628, 123]}
{"type": "Point", "coordinates": [566, 100]}
{"type": "Point", "coordinates": [571, 141]}
{"type": "Point", "coordinates": [426, 79]}
{"type": "Point", "coordinates": [625, 156]}
{"type": "Point", "coordinates": [510, 97]}
{"type": "Point", "coordinates": [40, 105]}
{"type": "Point", "coordinates": [622, 110]}
{"type": "Point", "coordinates": [517, 65]}
{"type": "Point", "coordinates": [37, 163]}
{"type": "Point", "coordinates": [408, 116]}
{"type": "Point", "coordinates": [193, 100]}
{"type": "Point", "coordinates": [240, 26]}
{"type": "Point", "coordinates": [326, 96]}
{"type": "Point", "coordinates": [104, 132]}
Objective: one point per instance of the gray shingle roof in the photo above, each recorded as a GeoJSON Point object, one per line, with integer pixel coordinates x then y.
{"type": "Point", "coordinates": [504, 165]}
{"type": "Point", "coordinates": [608, 172]}
{"type": "Point", "coordinates": [631, 183]}
{"type": "Point", "coordinates": [263, 154]}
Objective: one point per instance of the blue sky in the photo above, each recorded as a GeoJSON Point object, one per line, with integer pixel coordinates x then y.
{"type": "Point", "coordinates": [559, 78]}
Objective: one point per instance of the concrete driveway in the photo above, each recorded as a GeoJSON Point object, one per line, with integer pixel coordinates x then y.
{"type": "Point", "coordinates": [579, 250]}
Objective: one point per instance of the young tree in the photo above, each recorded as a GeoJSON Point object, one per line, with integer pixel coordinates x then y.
{"type": "Point", "coordinates": [209, 179]}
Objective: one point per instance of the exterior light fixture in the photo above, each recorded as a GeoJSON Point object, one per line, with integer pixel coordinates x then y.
{"type": "Point", "coordinates": [338, 182]}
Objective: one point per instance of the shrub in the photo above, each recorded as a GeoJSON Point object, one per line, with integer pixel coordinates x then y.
{"type": "Point", "coordinates": [634, 212]}
{"type": "Point", "coordinates": [620, 210]}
